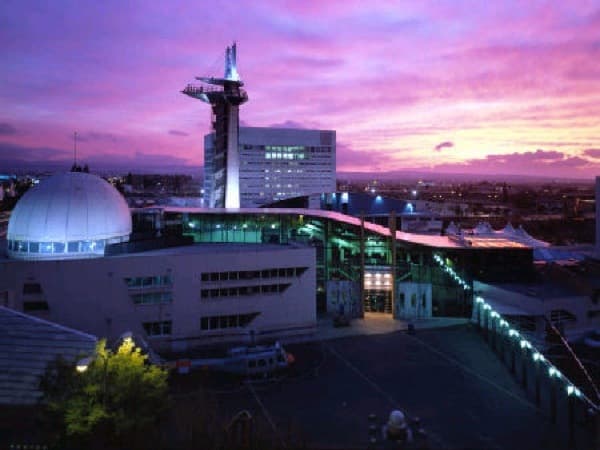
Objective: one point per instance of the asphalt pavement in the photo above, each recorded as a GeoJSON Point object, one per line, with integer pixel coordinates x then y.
{"type": "Point", "coordinates": [448, 377]}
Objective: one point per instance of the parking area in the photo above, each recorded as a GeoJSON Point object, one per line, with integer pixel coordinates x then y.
{"type": "Point", "coordinates": [447, 377]}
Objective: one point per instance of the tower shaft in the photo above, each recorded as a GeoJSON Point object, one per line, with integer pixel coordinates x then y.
{"type": "Point", "coordinates": [225, 95]}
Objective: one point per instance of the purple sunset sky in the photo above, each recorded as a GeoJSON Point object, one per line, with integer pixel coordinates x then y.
{"type": "Point", "coordinates": [455, 86]}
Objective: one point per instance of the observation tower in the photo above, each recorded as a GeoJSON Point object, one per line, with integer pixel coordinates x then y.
{"type": "Point", "coordinates": [225, 95]}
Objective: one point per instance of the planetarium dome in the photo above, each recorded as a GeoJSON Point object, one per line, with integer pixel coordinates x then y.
{"type": "Point", "coordinates": [68, 215]}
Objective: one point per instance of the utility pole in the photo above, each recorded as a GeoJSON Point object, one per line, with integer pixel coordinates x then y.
{"type": "Point", "coordinates": [75, 149]}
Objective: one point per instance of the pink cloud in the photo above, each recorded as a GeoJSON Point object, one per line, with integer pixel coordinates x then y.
{"type": "Point", "coordinates": [540, 162]}
{"type": "Point", "coordinates": [592, 153]}
{"type": "Point", "coordinates": [443, 145]}
{"type": "Point", "coordinates": [509, 78]}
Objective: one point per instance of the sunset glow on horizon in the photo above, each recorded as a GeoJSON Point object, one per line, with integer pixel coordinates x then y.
{"type": "Point", "coordinates": [447, 87]}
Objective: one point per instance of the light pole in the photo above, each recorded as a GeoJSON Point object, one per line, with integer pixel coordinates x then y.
{"type": "Point", "coordinates": [82, 366]}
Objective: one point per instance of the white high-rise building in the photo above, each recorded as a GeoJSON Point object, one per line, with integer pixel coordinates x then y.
{"type": "Point", "coordinates": [275, 164]}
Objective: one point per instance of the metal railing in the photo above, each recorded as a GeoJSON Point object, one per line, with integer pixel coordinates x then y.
{"type": "Point", "coordinates": [577, 417]}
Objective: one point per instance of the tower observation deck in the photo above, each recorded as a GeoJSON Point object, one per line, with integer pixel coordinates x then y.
{"type": "Point", "coordinates": [225, 95]}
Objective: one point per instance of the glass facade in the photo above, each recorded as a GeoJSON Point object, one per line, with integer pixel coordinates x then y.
{"type": "Point", "coordinates": [338, 250]}
{"type": "Point", "coordinates": [68, 249]}
{"type": "Point", "coordinates": [347, 252]}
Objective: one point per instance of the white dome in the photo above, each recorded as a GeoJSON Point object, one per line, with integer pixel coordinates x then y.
{"type": "Point", "coordinates": [68, 215]}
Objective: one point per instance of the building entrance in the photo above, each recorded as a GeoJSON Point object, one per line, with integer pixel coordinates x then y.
{"type": "Point", "coordinates": [378, 290]}
{"type": "Point", "coordinates": [379, 301]}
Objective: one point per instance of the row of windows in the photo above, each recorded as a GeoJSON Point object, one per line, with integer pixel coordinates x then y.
{"type": "Point", "coordinates": [152, 298]}
{"type": "Point", "coordinates": [285, 148]}
{"type": "Point", "coordinates": [244, 290]}
{"type": "Point", "coordinates": [57, 247]}
{"type": "Point", "coordinates": [223, 322]}
{"type": "Point", "coordinates": [253, 274]}
{"type": "Point", "coordinates": [148, 282]}
{"type": "Point", "coordinates": [268, 185]}
{"type": "Point", "coordinates": [162, 328]}
{"type": "Point", "coordinates": [273, 155]}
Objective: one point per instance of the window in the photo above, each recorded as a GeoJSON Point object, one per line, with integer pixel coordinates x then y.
{"type": "Point", "coordinates": [35, 306]}
{"type": "Point", "coordinates": [32, 288]}
{"type": "Point", "coordinates": [413, 300]}
{"type": "Point", "coordinates": [157, 328]}
{"type": "Point", "coordinates": [253, 290]}
{"type": "Point", "coordinates": [149, 282]}
{"type": "Point", "coordinates": [253, 274]}
{"type": "Point", "coordinates": [560, 317]}
{"type": "Point", "coordinates": [149, 298]}
{"type": "Point", "coordinates": [224, 322]}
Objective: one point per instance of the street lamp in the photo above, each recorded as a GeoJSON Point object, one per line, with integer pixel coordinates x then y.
{"type": "Point", "coordinates": [83, 364]}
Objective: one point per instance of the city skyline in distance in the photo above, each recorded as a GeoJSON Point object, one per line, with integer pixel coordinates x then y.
{"type": "Point", "coordinates": [443, 88]}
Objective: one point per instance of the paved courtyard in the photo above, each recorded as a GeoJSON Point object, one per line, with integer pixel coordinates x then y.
{"type": "Point", "coordinates": [448, 377]}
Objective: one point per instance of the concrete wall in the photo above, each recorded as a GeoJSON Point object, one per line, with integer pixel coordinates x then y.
{"type": "Point", "coordinates": [343, 296]}
{"type": "Point", "coordinates": [91, 294]}
{"type": "Point", "coordinates": [413, 300]}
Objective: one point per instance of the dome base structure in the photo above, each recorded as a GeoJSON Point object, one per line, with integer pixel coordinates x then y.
{"type": "Point", "coordinates": [68, 216]}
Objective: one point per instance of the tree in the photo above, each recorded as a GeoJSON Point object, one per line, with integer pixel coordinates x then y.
{"type": "Point", "coordinates": [115, 400]}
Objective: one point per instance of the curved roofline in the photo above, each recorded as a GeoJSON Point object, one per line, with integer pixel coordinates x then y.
{"type": "Point", "coordinates": [401, 236]}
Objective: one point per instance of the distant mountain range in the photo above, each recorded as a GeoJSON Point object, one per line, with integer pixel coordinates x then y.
{"type": "Point", "coordinates": [416, 175]}
{"type": "Point", "coordinates": [114, 168]}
